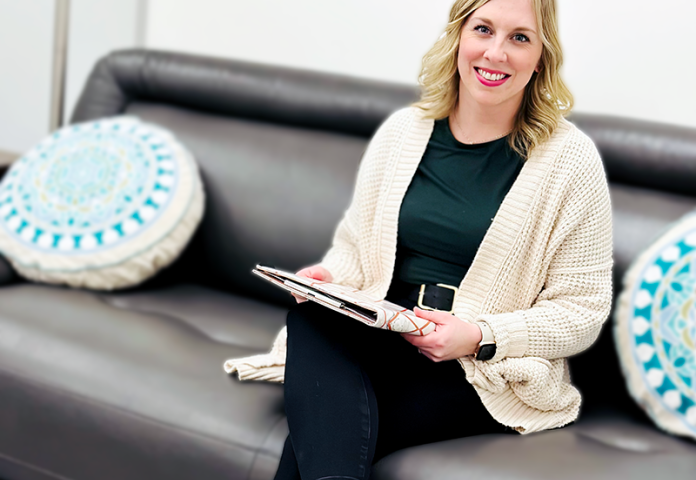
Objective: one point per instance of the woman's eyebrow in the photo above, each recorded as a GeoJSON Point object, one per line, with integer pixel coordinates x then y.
{"type": "Point", "coordinates": [518, 29]}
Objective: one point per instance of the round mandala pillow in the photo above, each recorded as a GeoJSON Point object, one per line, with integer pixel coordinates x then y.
{"type": "Point", "coordinates": [101, 205]}
{"type": "Point", "coordinates": [655, 329]}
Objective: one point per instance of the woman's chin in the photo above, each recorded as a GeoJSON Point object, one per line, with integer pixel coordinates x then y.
{"type": "Point", "coordinates": [495, 99]}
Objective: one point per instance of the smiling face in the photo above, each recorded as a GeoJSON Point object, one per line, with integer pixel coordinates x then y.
{"type": "Point", "coordinates": [499, 50]}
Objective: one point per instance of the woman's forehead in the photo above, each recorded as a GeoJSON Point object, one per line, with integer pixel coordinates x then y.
{"type": "Point", "coordinates": [508, 14]}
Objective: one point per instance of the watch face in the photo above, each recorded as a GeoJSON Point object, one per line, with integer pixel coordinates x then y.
{"type": "Point", "coordinates": [486, 352]}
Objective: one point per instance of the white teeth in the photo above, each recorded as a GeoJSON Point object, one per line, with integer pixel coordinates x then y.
{"type": "Point", "coordinates": [490, 76]}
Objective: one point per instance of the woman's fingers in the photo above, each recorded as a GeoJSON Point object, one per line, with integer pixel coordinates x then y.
{"type": "Point", "coordinates": [428, 355]}
{"type": "Point", "coordinates": [299, 299]}
{"type": "Point", "coordinates": [453, 338]}
{"type": "Point", "coordinates": [439, 318]}
{"type": "Point", "coordinates": [316, 272]}
{"type": "Point", "coordinates": [424, 345]}
{"type": "Point", "coordinates": [305, 272]}
{"type": "Point", "coordinates": [419, 341]}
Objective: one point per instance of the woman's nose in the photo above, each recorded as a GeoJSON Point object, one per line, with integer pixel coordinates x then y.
{"type": "Point", "coordinates": [495, 53]}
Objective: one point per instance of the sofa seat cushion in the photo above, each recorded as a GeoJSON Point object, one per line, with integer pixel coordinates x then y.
{"type": "Point", "coordinates": [601, 446]}
{"type": "Point", "coordinates": [93, 387]}
{"type": "Point", "coordinates": [229, 319]}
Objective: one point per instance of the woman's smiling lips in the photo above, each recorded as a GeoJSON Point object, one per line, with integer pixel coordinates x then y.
{"type": "Point", "coordinates": [490, 78]}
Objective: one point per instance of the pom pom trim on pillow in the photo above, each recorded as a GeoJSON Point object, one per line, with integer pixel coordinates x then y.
{"type": "Point", "coordinates": [117, 243]}
{"type": "Point", "coordinates": [655, 329]}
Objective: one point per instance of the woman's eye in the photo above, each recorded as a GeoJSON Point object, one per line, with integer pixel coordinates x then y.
{"type": "Point", "coordinates": [520, 38]}
{"type": "Point", "coordinates": [482, 29]}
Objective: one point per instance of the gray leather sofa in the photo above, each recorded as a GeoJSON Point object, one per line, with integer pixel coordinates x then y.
{"type": "Point", "coordinates": [129, 385]}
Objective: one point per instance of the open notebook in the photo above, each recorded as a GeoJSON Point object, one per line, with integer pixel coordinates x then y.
{"type": "Point", "coordinates": [349, 301]}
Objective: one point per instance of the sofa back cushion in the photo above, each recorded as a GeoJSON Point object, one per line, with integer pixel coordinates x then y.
{"type": "Point", "coordinates": [275, 192]}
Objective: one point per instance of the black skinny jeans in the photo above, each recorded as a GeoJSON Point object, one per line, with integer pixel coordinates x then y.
{"type": "Point", "coordinates": [354, 394]}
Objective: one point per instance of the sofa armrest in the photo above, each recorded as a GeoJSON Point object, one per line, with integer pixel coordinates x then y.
{"type": "Point", "coordinates": [7, 273]}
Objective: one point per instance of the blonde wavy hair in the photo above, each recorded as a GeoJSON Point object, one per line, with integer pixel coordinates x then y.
{"type": "Point", "coordinates": [546, 97]}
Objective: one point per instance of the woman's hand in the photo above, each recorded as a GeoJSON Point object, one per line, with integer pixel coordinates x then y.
{"type": "Point", "coordinates": [452, 338]}
{"type": "Point", "coordinates": [315, 272]}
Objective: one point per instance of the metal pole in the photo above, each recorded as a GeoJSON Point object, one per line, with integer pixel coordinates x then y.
{"type": "Point", "coordinates": [60, 56]}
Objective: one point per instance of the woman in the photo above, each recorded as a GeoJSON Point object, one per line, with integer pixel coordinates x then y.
{"type": "Point", "coordinates": [483, 189]}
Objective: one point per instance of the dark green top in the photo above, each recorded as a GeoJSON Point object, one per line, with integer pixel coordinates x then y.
{"type": "Point", "coordinates": [449, 205]}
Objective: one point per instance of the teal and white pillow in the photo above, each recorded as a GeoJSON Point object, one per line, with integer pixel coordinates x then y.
{"type": "Point", "coordinates": [101, 205]}
{"type": "Point", "coordinates": [655, 329]}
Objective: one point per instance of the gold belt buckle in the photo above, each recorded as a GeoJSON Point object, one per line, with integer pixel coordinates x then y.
{"type": "Point", "coordinates": [421, 293]}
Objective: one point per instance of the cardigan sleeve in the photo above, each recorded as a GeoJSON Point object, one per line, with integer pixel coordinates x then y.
{"type": "Point", "coordinates": [575, 300]}
{"type": "Point", "coordinates": [344, 258]}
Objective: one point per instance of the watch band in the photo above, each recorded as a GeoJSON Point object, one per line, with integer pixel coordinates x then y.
{"type": "Point", "coordinates": [486, 348]}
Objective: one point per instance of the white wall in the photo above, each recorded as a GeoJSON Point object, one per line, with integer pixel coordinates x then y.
{"type": "Point", "coordinates": [381, 39]}
{"type": "Point", "coordinates": [615, 49]}
{"type": "Point", "coordinates": [96, 28]}
{"type": "Point", "coordinates": [26, 50]}
{"type": "Point", "coordinates": [632, 58]}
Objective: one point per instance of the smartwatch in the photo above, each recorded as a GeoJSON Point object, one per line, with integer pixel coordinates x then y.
{"type": "Point", "coordinates": [486, 348]}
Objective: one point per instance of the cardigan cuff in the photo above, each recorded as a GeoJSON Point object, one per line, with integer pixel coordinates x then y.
{"type": "Point", "coordinates": [510, 332]}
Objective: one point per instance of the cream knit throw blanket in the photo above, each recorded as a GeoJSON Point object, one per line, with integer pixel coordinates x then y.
{"type": "Point", "coordinates": [541, 277]}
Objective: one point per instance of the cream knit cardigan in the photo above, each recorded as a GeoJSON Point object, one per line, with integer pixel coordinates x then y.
{"type": "Point", "coordinates": [541, 278]}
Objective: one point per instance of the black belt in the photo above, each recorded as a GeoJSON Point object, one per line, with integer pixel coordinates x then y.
{"type": "Point", "coordinates": [427, 297]}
